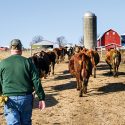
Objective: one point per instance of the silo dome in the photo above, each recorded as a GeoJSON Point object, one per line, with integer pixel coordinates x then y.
{"type": "Point", "coordinates": [89, 14]}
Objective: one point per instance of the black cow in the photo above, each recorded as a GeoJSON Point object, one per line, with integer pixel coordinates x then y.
{"type": "Point", "coordinates": [52, 60]}
{"type": "Point", "coordinates": [42, 64]}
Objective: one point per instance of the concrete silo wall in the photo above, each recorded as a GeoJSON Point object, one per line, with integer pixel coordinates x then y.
{"type": "Point", "coordinates": [90, 31]}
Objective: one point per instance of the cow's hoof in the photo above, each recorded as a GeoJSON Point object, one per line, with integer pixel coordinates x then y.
{"type": "Point", "coordinates": [78, 89]}
{"type": "Point", "coordinates": [115, 76]}
{"type": "Point", "coordinates": [80, 93]}
{"type": "Point", "coordinates": [85, 90]}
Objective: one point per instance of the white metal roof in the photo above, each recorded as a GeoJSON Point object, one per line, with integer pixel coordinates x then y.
{"type": "Point", "coordinates": [44, 42]}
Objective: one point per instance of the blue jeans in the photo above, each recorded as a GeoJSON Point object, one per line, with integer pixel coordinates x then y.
{"type": "Point", "coordinates": [18, 110]}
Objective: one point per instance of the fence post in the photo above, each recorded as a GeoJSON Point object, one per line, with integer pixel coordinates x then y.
{"type": "Point", "coordinates": [31, 50]}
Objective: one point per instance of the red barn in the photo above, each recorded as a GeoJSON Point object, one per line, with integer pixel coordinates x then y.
{"type": "Point", "coordinates": [110, 39]}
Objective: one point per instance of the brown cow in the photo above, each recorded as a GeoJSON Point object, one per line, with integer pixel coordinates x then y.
{"type": "Point", "coordinates": [80, 66]}
{"type": "Point", "coordinates": [60, 53]}
{"type": "Point", "coordinates": [113, 59]}
{"type": "Point", "coordinates": [77, 49]}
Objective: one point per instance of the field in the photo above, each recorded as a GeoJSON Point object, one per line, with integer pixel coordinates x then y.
{"type": "Point", "coordinates": [104, 104]}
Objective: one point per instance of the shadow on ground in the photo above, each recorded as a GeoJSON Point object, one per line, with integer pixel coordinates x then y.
{"type": "Point", "coordinates": [65, 71]}
{"type": "Point", "coordinates": [121, 73]}
{"type": "Point", "coordinates": [62, 77]}
{"type": "Point", "coordinates": [108, 74]}
{"type": "Point", "coordinates": [50, 101]}
{"type": "Point", "coordinates": [107, 89]}
{"type": "Point", "coordinates": [102, 67]}
{"type": "Point", "coordinates": [66, 86]}
{"type": "Point", "coordinates": [112, 87]}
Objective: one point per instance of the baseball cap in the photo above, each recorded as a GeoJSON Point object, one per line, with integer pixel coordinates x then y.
{"type": "Point", "coordinates": [16, 44]}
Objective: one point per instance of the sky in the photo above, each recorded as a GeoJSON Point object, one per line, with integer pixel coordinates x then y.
{"type": "Point", "coordinates": [25, 19]}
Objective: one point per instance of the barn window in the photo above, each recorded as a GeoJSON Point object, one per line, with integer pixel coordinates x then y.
{"type": "Point", "coordinates": [107, 33]}
{"type": "Point", "coordinates": [113, 33]}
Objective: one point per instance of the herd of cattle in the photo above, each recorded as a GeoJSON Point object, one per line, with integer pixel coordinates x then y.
{"type": "Point", "coordinates": [82, 63]}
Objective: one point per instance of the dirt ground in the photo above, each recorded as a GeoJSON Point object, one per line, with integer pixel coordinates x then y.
{"type": "Point", "coordinates": [104, 104]}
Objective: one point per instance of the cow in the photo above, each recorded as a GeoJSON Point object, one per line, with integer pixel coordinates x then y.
{"type": "Point", "coordinates": [41, 64]}
{"type": "Point", "coordinates": [77, 49]}
{"type": "Point", "coordinates": [60, 53]}
{"type": "Point", "coordinates": [113, 59]}
{"type": "Point", "coordinates": [80, 67]}
{"type": "Point", "coordinates": [70, 52]}
{"type": "Point", "coordinates": [46, 58]}
{"type": "Point", "coordinates": [52, 60]}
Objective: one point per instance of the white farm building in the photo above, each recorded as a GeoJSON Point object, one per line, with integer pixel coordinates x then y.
{"type": "Point", "coordinates": [45, 44]}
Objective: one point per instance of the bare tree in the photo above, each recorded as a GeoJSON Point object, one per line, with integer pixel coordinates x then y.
{"type": "Point", "coordinates": [36, 39]}
{"type": "Point", "coordinates": [81, 41]}
{"type": "Point", "coordinates": [61, 41]}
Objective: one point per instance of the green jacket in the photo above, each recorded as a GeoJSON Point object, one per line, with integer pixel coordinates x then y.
{"type": "Point", "coordinates": [18, 76]}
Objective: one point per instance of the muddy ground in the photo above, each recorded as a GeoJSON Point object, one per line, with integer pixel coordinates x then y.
{"type": "Point", "coordinates": [104, 104]}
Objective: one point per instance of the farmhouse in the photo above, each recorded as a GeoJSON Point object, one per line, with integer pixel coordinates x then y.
{"type": "Point", "coordinates": [110, 39]}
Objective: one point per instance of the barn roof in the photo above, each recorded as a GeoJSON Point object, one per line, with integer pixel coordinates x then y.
{"type": "Point", "coordinates": [100, 36]}
{"type": "Point", "coordinates": [44, 42]}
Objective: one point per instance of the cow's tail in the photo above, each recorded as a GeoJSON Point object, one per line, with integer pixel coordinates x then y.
{"type": "Point", "coordinates": [84, 78]}
{"type": "Point", "coordinates": [116, 60]}
{"type": "Point", "coordinates": [86, 68]}
{"type": "Point", "coordinates": [83, 71]}
{"type": "Point", "coordinates": [116, 63]}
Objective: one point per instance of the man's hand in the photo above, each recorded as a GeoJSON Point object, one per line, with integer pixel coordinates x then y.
{"type": "Point", "coordinates": [42, 105]}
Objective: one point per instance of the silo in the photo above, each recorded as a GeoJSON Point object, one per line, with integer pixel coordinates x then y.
{"type": "Point", "coordinates": [90, 30]}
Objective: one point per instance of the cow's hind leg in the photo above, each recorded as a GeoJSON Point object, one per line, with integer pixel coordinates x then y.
{"type": "Point", "coordinates": [116, 74]}
{"type": "Point", "coordinates": [110, 73]}
{"type": "Point", "coordinates": [110, 67]}
{"type": "Point", "coordinates": [78, 85]}
{"type": "Point", "coordinates": [78, 82]}
{"type": "Point", "coordinates": [94, 72]}
{"type": "Point", "coordinates": [81, 93]}
{"type": "Point", "coordinates": [114, 71]}
{"type": "Point", "coordinates": [53, 66]}
{"type": "Point", "coordinates": [85, 83]}
{"type": "Point", "coordinates": [117, 71]}
{"type": "Point", "coordinates": [83, 88]}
